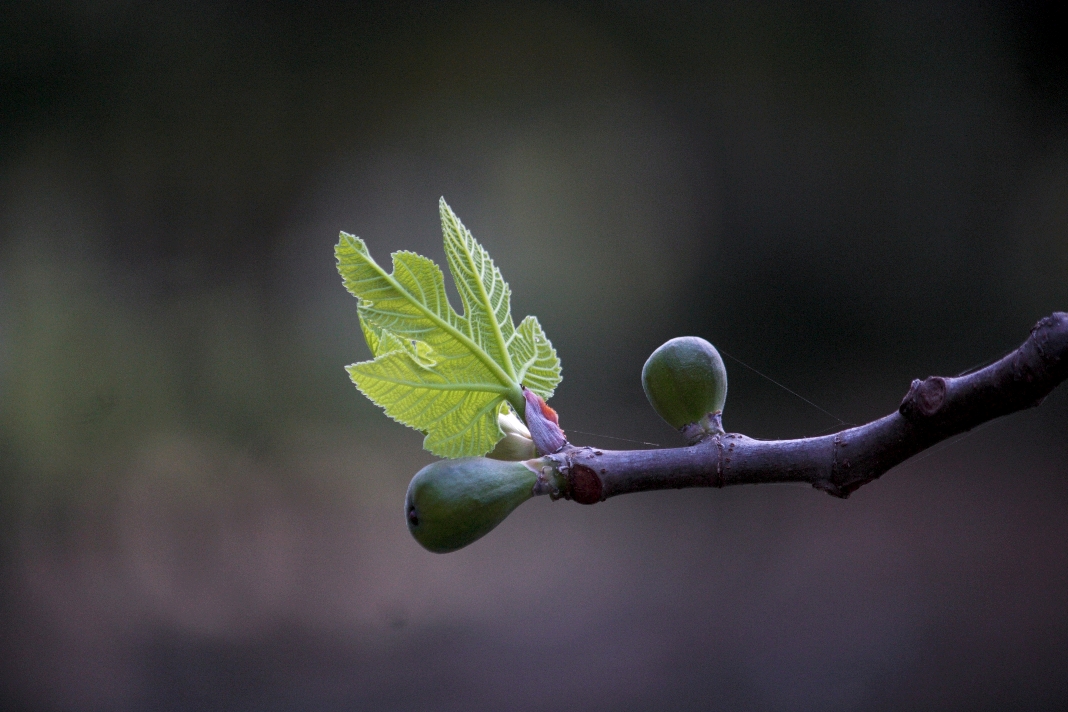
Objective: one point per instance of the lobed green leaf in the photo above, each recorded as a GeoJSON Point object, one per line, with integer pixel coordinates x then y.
{"type": "Point", "coordinates": [446, 374]}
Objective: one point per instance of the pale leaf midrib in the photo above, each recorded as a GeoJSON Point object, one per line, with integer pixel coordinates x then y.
{"type": "Point", "coordinates": [507, 380]}
{"type": "Point", "coordinates": [490, 313]}
{"type": "Point", "coordinates": [422, 385]}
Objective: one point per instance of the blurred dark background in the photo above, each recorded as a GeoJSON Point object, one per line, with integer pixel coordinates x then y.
{"type": "Point", "coordinates": [198, 511]}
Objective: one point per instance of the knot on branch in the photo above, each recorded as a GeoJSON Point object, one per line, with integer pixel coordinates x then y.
{"type": "Point", "coordinates": [584, 485]}
{"type": "Point", "coordinates": [844, 479]}
{"type": "Point", "coordinates": [924, 399]}
{"type": "Point", "coordinates": [576, 477]}
{"type": "Point", "coordinates": [1045, 353]}
{"type": "Point", "coordinates": [1021, 379]}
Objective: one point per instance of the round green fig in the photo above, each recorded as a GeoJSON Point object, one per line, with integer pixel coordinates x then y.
{"type": "Point", "coordinates": [451, 503]}
{"type": "Point", "coordinates": [686, 383]}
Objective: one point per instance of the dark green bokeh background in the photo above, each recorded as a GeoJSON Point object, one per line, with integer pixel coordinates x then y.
{"type": "Point", "coordinates": [198, 510]}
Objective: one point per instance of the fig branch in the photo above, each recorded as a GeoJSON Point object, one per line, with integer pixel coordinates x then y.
{"type": "Point", "coordinates": [452, 503]}
{"type": "Point", "coordinates": [934, 409]}
{"type": "Point", "coordinates": [476, 383]}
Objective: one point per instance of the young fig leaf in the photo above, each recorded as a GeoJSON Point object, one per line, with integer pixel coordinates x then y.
{"type": "Point", "coordinates": [435, 370]}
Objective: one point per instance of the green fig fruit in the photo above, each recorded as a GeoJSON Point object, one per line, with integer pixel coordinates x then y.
{"type": "Point", "coordinates": [451, 503]}
{"type": "Point", "coordinates": [686, 383]}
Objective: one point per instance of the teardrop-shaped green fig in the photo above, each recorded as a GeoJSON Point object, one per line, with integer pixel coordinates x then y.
{"type": "Point", "coordinates": [686, 383]}
{"type": "Point", "coordinates": [451, 503]}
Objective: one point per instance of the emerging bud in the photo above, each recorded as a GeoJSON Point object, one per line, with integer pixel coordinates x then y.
{"type": "Point", "coordinates": [686, 383]}
{"type": "Point", "coordinates": [543, 423]}
{"type": "Point", "coordinates": [517, 443]}
{"type": "Point", "coordinates": [451, 503]}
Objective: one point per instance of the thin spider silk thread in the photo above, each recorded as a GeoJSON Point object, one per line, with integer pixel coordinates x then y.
{"type": "Point", "coordinates": [762, 375]}
{"type": "Point", "coordinates": [931, 452]}
{"type": "Point", "coordinates": [983, 364]}
{"type": "Point", "coordinates": [943, 445]}
{"type": "Point", "coordinates": [793, 393]}
{"type": "Point", "coordinates": [611, 437]}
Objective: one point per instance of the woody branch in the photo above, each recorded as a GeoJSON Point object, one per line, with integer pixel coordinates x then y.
{"type": "Point", "coordinates": [934, 409]}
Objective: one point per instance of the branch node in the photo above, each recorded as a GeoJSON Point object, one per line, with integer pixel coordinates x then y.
{"type": "Point", "coordinates": [707, 427]}
{"type": "Point", "coordinates": [924, 399]}
{"type": "Point", "coordinates": [719, 481]}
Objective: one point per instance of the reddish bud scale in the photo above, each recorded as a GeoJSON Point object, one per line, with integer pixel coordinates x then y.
{"type": "Point", "coordinates": [543, 424]}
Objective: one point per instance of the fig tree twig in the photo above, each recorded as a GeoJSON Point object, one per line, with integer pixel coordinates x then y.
{"type": "Point", "coordinates": [934, 409]}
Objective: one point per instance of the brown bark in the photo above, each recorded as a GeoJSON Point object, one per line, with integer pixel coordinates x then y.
{"type": "Point", "coordinates": [934, 409]}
